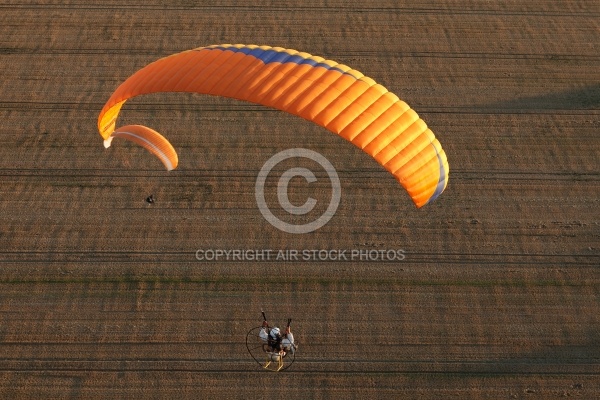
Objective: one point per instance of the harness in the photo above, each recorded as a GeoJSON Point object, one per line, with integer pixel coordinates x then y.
{"type": "Point", "coordinates": [274, 343]}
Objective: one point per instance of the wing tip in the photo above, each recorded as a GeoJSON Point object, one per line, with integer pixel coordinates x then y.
{"type": "Point", "coordinates": [151, 141]}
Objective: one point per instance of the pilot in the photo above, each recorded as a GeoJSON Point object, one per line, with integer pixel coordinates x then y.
{"type": "Point", "coordinates": [275, 340]}
{"type": "Point", "coordinates": [287, 342]}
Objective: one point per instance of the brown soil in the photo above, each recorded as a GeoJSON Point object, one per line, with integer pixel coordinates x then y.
{"type": "Point", "coordinates": [498, 295]}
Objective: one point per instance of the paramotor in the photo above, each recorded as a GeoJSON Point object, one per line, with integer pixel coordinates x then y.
{"type": "Point", "coordinates": [270, 353]}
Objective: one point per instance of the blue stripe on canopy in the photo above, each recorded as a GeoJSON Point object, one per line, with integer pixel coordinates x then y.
{"type": "Point", "coordinates": [441, 182]}
{"type": "Point", "coordinates": [272, 56]}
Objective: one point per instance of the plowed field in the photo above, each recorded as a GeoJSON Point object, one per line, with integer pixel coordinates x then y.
{"type": "Point", "coordinates": [494, 291]}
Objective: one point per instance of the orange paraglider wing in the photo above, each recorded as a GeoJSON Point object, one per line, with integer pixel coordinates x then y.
{"type": "Point", "coordinates": [151, 140]}
{"type": "Point", "coordinates": [333, 95]}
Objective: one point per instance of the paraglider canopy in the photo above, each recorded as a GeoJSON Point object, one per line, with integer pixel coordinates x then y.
{"type": "Point", "coordinates": [330, 94]}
